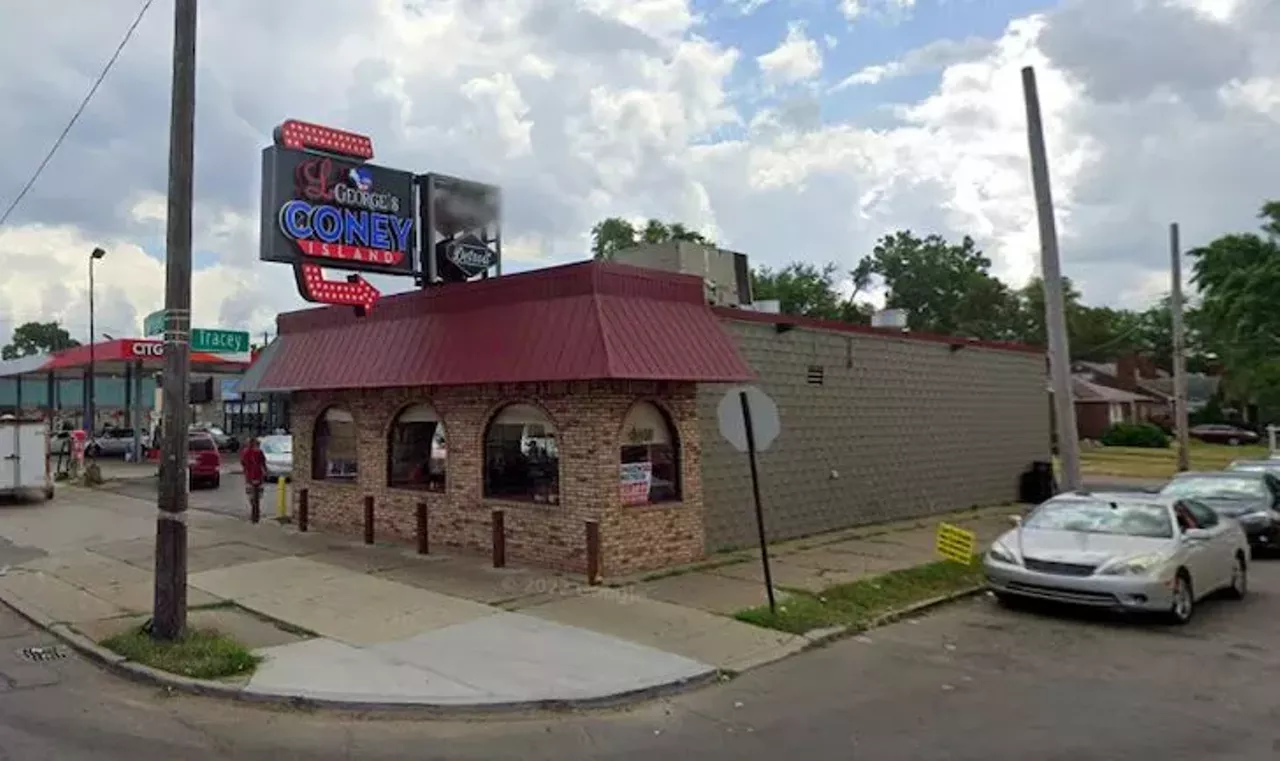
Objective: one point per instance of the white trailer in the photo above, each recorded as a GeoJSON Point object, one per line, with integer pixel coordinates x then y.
{"type": "Point", "coordinates": [24, 457]}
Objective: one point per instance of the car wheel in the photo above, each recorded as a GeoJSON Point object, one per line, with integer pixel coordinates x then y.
{"type": "Point", "coordinates": [93, 450]}
{"type": "Point", "coordinates": [216, 482]}
{"type": "Point", "coordinates": [1233, 442]}
{"type": "Point", "coordinates": [1239, 579]}
{"type": "Point", "coordinates": [1183, 605]}
{"type": "Point", "coordinates": [48, 493]}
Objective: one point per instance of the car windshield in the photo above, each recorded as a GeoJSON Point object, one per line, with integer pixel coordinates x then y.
{"type": "Point", "coordinates": [277, 446]}
{"type": "Point", "coordinates": [1097, 517]}
{"type": "Point", "coordinates": [1216, 486]}
{"type": "Point", "coordinates": [200, 444]}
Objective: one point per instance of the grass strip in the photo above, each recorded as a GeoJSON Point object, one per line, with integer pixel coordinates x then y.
{"type": "Point", "coordinates": [199, 653]}
{"type": "Point", "coordinates": [856, 604]}
{"type": "Point", "coordinates": [1162, 463]}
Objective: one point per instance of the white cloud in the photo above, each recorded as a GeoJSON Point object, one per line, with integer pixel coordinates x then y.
{"type": "Point", "coordinates": [796, 58]}
{"type": "Point", "coordinates": [856, 9]}
{"type": "Point", "coordinates": [930, 57]}
{"type": "Point", "coordinates": [746, 7]}
{"type": "Point", "coordinates": [608, 107]}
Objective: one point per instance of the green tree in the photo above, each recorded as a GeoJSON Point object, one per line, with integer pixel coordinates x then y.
{"type": "Point", "coordinates": [36, 337]}
{"type": "Point", "coordinates": [945, 288]}
{"type": "Point", "coordinates": [804, 289]}
{"type": "Point", "coordinates": [613, 234]}
{"type": "Point", "coordinates": [610, 236]}
{"type": "Point", "coordinates": [1238, 277]}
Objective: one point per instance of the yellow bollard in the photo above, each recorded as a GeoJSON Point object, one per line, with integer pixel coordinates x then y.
{"type": "Point", "coordinates": [282, 507]}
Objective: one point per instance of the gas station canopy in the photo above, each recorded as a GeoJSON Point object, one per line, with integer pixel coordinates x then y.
{"type": "Point", "coordinates": [115, 357]}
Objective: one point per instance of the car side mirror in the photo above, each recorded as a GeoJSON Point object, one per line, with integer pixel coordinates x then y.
{"type": "Point", "coordinates": [1195, 534]}
{"type": "Point", "coordinates": [1015, 520]}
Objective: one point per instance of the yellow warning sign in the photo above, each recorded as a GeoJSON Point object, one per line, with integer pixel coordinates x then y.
{"type": "Point", "coordinates": [956, 544]}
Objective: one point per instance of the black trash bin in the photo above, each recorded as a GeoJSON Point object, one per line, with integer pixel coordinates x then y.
{"type": "Point", "coordinates": [1036, 484]}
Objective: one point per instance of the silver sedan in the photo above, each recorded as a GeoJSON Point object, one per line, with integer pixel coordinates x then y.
{"type": "Point", "coordinates": [1125, 551]}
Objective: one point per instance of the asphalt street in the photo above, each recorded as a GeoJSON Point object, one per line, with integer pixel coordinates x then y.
{"type": "Point", "coordinates": [971, 681]}
{"type": "Point", "coordinates": [228, 499]}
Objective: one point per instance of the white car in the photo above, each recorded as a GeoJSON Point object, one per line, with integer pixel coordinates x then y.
{"type": "Point", "coordinates": [278, 452]}
{"type": "Point", "coordinates": [1122, 550]}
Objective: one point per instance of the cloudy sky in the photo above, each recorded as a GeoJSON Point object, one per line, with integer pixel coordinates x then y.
{"type": "Point", "coordinates": [787, 129]}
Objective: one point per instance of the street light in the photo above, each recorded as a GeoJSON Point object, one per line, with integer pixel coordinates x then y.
{"type": "Point", "coordinates": [90, 398]}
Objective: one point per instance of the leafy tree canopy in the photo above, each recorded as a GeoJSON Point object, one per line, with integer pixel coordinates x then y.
{"type": "Point", "coordinates": [36, 337]}
{"type": "Point", "coordinates": [614, 234]}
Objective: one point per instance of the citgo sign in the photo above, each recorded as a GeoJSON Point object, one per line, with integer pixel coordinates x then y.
{"type": "Point", "coordinates": [146, 349]}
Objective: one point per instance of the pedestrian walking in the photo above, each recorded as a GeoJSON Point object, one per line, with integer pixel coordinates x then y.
{"type": "Point", "coordinates": [254, 465]}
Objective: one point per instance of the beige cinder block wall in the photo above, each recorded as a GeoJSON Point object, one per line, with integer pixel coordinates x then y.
{"type": "Point", "coordinates": [898, 428]}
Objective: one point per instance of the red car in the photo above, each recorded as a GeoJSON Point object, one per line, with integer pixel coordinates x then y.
{"type": "Point", "coordinates": [1224, 434]}
{"type": "Point", "coordinates": [203, 462]}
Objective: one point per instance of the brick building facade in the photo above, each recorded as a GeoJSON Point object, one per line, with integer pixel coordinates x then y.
{"type": "Point", "coordinates": [615, 372]}
{"type": "Point", "coordinates": [589, 422]}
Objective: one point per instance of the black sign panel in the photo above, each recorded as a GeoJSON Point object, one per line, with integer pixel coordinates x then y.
{"type": "Point", "coordinates": [336, 212]}
{"type": "Point", "coordinates": [462, 227]}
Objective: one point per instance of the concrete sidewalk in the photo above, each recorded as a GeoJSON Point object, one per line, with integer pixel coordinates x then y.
{"type": "Point", "coordinates": [340, 621]}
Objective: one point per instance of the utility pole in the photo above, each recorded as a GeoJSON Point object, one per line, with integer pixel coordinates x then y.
{"type": "Point", "coordinates": [170, 617]}
{"type": "Point", "coordinates": [1051, 272]}
{"type": "Point", "coordinates": [1179, 351]}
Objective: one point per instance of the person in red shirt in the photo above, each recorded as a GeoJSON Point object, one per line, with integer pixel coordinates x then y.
{"type": "Point", "coordinates": [254, 464]}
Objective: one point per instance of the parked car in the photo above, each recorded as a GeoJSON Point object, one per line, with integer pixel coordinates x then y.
{"type": "Point", "coordinates": [203, 462]}
{"type": "Point", "coordinates": [1270, 465]}
{"type": "Point", "coordinates": [278, 452]}
{"type": "Point", "coordinates": [1250, 497]}
{"type": "Point", "coordinates": [1223, 434]}
{"type": "Point", "coordinates": [1124, 551]}
{"type": "Point", "coordinates": [113, 442]}
{"type": "Point", "coordinates": [225, 441]}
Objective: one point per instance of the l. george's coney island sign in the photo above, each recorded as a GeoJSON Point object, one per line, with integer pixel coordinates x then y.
{"type": "Point", "coordinates": [324, 206]}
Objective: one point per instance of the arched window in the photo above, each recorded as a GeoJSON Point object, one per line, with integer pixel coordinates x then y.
{"type": "Point", "coordinates": [650, 456]}
{"type": "Point", "coordinates": [333, 457]}
{"type": "Point", "coordinates": [416, 450]}
{"type": "Point", "coordinates": [521, 459]}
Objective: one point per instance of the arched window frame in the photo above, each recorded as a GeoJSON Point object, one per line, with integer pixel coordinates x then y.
{"type": "Point", "coordinates": [533, 479]}
{"type": "Point", "coordinates": [322, 463]}
{"type": "Point", "coordinates": [429, 475]}
{"type": "Point", "coordinates": [650, 467]}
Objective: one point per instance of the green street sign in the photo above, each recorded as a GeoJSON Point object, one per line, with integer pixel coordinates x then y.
{"type": "Point", "coordinates": [219, 341]}
{"type": "Point", "coordinates": [153, 324]}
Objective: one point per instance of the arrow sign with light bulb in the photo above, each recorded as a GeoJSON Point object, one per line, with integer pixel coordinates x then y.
{"type": "Point", "coordinates": [355, 291]}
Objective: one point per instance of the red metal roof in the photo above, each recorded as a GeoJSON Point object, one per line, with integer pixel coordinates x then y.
{"type": "Point", "coordinates": [848, 327]}
{"type": "Point", "coordinates": [586, 321]}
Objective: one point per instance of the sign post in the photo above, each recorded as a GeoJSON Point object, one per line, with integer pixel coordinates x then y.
{"type": "Point", "coordinates": [749, 421]}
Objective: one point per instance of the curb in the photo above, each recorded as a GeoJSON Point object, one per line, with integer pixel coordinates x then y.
{"type": "Point", "coordinates": [136, 672]}
{"type": "Point", "coordinates": [824, 637]}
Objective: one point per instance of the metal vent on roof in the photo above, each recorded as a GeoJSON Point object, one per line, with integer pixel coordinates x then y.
{"type": "Point", "coordinates": [815, 375]}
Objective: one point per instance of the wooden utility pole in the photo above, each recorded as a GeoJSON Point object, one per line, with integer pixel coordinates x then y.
{"type": "Point", "coordinates": [1054, 308]}
{"type": "Point", "coordinates": [1179, 351]}
{"type": "Point", "coordinates": [170, 617]}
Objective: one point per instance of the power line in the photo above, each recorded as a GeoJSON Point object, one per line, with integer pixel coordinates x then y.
{"type": "Point", "coordinates": [128, 35]}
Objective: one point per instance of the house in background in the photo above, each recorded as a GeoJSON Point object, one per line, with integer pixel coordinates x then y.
{"type": "Point", "coordinates": [1140, 377]}
{"type": "Point", "coordinates": [1099, 407]}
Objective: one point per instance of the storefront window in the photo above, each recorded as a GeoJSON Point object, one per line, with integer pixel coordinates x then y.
{"type": "Point", "coordinates": [521, 459]}
{"type": "Point", "coordinates": [334, 454]}
{"type": "Point", "coordinates": [416, 450]}
{"type": "Point", "coordinates": [650, 457]}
